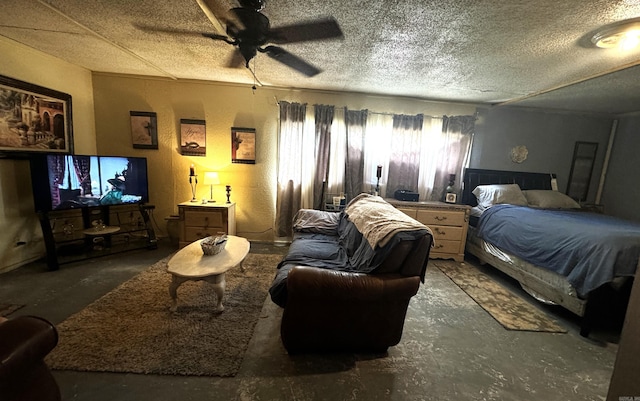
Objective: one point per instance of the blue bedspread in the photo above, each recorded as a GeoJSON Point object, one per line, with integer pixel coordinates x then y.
{"type": "Point", "coordinates": [589, 249]}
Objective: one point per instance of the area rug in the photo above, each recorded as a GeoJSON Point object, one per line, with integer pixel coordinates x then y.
{"type": "Point", "coordinates": [7, 309]}
{"type": "Point", "coordinates": [132, 330]}
{"type": "Point", "coordinates": [507, 308]}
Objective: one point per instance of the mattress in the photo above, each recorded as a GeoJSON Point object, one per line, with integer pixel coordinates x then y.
{"type": "Point", "coordinates": [548, 277]}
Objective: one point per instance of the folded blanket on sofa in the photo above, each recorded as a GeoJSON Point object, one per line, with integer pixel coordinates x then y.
{"type": "Point", "coordinates": [379, 221]}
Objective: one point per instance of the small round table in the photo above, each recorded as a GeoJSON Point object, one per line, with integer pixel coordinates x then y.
{"type": "Point", "coordinates": [190, 263]}
{"type": "Point", "coordinates": [101, 235]}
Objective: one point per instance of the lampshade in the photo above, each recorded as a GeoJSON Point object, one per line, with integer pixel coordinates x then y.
{"type": "Point", "coordinates": [211, 178]}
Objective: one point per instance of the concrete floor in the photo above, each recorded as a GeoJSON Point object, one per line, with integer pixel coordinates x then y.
{"type": "Point", "coordinates": [451, 349]}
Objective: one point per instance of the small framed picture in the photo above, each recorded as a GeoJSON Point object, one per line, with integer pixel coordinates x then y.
{"type": "Point", "coordinates": [243, 145]}
{"type": "Point", "coordinates": [451, 198]}
{"type": "Point", "coordinates": [144, 129]}
{"type": "Point", "coordinates": [193, 137]}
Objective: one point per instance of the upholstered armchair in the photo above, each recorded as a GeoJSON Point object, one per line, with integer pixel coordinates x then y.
{"type": "Point", "coordinates": [24, 343]}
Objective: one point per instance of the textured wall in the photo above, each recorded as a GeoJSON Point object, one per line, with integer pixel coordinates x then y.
{"type": "Point", "coordinates": [222, 106]}
{"type": "Point", "coordinates": [549, 137]}
{"type": "Point", "coordinates": [621, 195]}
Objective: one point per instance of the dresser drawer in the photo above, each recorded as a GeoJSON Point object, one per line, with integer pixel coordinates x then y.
{"type": "Point", "coordinates": [195, 233]}
{"type": "Point", "coordinates": [447, 233]}
{"type": "Point", "coordinates": [441, 217]}
{"type": "Point", "coordinates": [445, 246]}
{"type": "Point", "coordinates": [411, 212]}
{"type": "Point", "coordinates": [198, 221]}
{"type": "Point", "coordinates": [207, 219]}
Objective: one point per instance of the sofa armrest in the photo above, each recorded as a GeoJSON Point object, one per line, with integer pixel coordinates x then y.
{"type": "Point", "coordinates": [331, 311]}
{"type": "Point", "coordinates": [24, 342]}
{"type": "Point", "coordinates": [305, 282]}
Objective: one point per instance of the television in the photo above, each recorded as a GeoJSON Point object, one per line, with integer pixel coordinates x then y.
{"type": "Point", "coordinates": [63, 181]}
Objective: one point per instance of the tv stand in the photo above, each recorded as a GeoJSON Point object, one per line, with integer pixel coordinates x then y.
{"type": "Point", "coordinates": [76, 234]}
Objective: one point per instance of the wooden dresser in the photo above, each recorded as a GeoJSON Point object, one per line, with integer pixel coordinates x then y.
{"type": "Point", "coordinates": [200, 220]}
{"type": "Point", "coordinates": [448, 222]}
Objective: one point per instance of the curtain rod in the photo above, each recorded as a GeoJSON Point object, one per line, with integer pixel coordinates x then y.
{"type": "Point", "coordinates": [368, 111]}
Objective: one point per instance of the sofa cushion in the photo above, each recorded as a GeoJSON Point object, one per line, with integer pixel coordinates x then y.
{"type": "Point", "coordinates": [316, 221]}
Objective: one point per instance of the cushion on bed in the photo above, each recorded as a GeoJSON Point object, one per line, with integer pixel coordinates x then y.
{"type": "Point", "coordinates": [489, 195]}
{"type": "Point", "coordinates": [549, 199]}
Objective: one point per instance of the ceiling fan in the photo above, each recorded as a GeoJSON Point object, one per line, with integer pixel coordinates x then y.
{"type": "Point", "coordinates": [250, 32]}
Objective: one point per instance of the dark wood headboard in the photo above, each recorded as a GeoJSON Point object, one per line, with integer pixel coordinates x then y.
{"type": "Point", "coordinates": [474, 177]}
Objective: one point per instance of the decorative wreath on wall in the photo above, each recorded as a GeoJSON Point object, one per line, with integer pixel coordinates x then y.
{"type": "Point", "coordinates": [519, 154]}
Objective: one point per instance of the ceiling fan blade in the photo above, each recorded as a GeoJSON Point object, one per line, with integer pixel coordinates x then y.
{"type": "Point", "coordinates": [327, 28]}
{"type": "Point", "coordinates": [236, 60]}
{"type": "Point", "coordinates": [290, 60]}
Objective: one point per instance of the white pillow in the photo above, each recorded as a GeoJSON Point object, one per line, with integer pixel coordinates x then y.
{"type": "Point", "coordinates": [489, 195]}
{"type": "Point", "coordinates": [549, 199]}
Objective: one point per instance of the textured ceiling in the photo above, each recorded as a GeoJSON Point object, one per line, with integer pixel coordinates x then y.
{"type": "Point", "coordinates": [524, 53]}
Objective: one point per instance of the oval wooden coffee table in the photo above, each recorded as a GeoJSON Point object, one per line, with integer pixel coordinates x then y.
{"type": "Point", "coordinates": [190, 263]}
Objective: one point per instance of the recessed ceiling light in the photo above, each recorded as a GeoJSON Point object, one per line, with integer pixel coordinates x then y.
{"type": "Point", "coordinates": [625, 36]}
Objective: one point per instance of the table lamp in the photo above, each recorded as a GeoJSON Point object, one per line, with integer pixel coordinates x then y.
{"type": "Point", "coordinates": [211, 178]}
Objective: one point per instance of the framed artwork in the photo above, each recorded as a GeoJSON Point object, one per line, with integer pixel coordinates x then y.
{"type": "Point", "coordinates": [33, 118]}
{"type": "Point", "coordinates": [193, 137]}
{"type": "Point", "coordinates": [144, 129]}
{"type": "Point", "coordinates": [243, 145]}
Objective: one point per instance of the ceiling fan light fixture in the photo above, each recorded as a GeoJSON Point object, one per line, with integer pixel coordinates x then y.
{"type": "Point", "coordinates": [624, 37]}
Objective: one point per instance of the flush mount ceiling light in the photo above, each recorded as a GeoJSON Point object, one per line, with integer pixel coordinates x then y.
{"type": "Point", "coordinates": [624, 36]}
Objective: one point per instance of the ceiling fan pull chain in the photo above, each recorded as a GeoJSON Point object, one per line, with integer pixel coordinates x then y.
{"type": "Point", "coordinates": [253, 88]}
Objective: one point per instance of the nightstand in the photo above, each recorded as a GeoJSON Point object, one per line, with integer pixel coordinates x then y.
{"type": "Point", "coordinates": [200, 220]}
{"type": "Point", "coordinates": [448, 222]}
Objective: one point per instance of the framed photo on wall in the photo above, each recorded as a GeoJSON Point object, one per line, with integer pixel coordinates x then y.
{"type": "Point", "coordinates": [193, 137]}
{"type": "Point", "coordinates": [243, 145]}
{"type": "Point", "coordinates": [144, 129]}
{"type": "Point", "coordinates": [34, 118]}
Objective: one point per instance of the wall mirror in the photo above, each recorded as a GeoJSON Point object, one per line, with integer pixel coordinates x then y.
{"type": "Point", "coordinates": [584, 156]}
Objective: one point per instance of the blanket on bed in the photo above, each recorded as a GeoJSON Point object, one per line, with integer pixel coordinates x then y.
{"type": "Point", "coordinates": [589, 249]}
{"type": "Point", "coordinates": [379, 221]}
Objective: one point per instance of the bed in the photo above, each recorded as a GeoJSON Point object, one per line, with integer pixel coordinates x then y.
{"type": "Point", "coordinates": [573, 275]}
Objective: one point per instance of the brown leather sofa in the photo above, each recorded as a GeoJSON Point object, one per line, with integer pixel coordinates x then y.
{"type": "Point", "coordinates": [24, 376]}
{"type": "Point", "coordinates": [328, 309]}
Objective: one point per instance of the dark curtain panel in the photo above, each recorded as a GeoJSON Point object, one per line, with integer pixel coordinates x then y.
{"type": "Point", "coordinates": [356, 121]}
{"type": "Point", "coordinates": [82, 167]}
{"type": "Point", "coordinates": [58, 170]}
{"type": "Point", "coordinates": [404, 161]}
{"type": "Point", "coordinates": [288, 197]}
{"type": "Point", "coordinates": [458, 134]}
{"type": "Point", "coordinates": [324, 119]}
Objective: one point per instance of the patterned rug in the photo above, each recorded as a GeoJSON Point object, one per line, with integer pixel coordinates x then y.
{"type": "Point", "coordinates": [7, 309]}
{"type": "Point", "coordinates": [507, 308]}
{"type": "Point", "coordinates": [132, 330]}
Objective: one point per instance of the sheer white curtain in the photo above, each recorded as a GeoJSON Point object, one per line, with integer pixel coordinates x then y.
{"type": "Point", "coordinates": [291, 139]}
{"type": "Point", "coordinates": [338, 153]}
{"type": "Point", "coordinates": [307, 157]}
{"type": "Point", "coordinates": [377, 148]}
{"type": "Point", "coordinates": [431, 147]}
{"type": "Point", "coordinates": [404, 160]}
{"type": "Point", "coordinates": [454, 150]}
{"type": "Point", "coordinates": [444, 145]}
